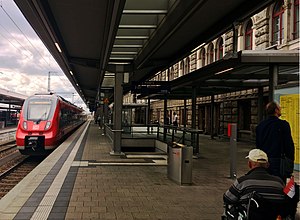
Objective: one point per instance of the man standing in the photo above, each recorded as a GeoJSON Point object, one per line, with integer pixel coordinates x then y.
{"type": "Point", "coordinates": [167, 123]}
{"type": "Point", "coordinates": [273, 136]}
{"type": "Point", "coordinates": [175, 119]}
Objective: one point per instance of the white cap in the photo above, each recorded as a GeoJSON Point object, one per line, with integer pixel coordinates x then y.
{"type": "Point", "coordinates": [257, 155]}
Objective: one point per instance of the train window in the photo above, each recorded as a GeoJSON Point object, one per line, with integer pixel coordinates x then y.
{"type": "Point", "coordinates": [38, 110]}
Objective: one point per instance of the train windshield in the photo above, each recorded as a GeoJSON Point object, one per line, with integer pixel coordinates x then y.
{"type": "Point", "coordinates": [39, 110]}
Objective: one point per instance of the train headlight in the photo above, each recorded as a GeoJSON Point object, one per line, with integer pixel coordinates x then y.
{"type": "Point", "coordinates": [47, 125]}
{"type": "Point", "coordinates": [25, 125]}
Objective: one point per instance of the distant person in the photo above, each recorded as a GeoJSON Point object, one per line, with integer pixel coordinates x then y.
{"type": "Point", "coordinates": [273, 136]}
{"type": "Point", "coordinates": [167, 123]}
{"type": "Point", "coordinates": [95, 118]}
{"type": "Point", "coordinates": [100, 121]}
{"type": "Point", "coordinates": [257, 179]}
{"type": "Point", "coordinates": [175, 121]}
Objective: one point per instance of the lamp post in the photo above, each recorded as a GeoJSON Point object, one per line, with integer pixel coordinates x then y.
{"type": "Point", "coordinates": [49, 80]}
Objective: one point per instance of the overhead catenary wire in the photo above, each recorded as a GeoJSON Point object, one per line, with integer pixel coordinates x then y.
{"type": "Point", "coordinates": [61, 79]}
{"type": "Point", "coordinates": [15, 43]}
{"type": "Point", "coordinates": [12, 20]}
{"type": "Point", "coordinates": [22, 46]}
{"type": "Point", "coordinates": [26, 56]}
{"type": "Point", "coordinates": [14, 38]}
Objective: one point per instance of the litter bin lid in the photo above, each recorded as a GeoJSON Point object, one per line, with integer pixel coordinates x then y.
{"type": "Point", "coordinates": [177, 145]}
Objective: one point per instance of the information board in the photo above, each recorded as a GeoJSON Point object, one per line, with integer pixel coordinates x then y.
{"type": "Point", "coordinates": [290, 112]}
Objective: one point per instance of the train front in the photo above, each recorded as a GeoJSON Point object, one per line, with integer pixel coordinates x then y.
{"type": "Point", "coordinates": [37, 130]}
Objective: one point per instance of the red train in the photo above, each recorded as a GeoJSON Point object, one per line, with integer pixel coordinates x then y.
{"type": "Point", "coordinates": [45, 121]}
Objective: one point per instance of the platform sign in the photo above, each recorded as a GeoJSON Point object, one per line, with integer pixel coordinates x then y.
{"type": "Point", "coordinates": [290, 112]}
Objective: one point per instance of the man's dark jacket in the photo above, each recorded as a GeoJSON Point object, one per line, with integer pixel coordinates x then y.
{"type": "Point", "coordinates": [273, 135]}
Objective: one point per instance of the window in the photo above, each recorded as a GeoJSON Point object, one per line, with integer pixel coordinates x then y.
{"type": "Point", "coordinates": [163, 76]}
{"type": "Point", "coordinates": [220, 49]}
{"type": "Point", "coordinates": [296, 19]}
{"type": "Point", "coordinates": [159, 76]}
{"type": "Point", "coordinates": [172, 74]}
{"type": "Point", "coordinates": [210, 55]}
{"type": "Point", "coordinates": [168, 75]}
{"type": "Point", "coordinates": [203, 57]}
{"type": "Point", "coordinates": [187, 66]}
{"type": "Point", "coordinates": [248, 36]}
{"type": "Point", "coordinates": [181, 68]}
{"type": "Point", "coordinates": [39, 110]}
{"type": "Point", "coordinates": [277, 23]}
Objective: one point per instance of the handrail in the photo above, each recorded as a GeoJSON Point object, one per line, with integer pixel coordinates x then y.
{"type": "Point", "coordinates": [165, 133]}
{"type": "Point", "coordinates": [185, 135]}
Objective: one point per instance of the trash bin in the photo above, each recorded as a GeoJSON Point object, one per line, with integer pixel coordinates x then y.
{"type": "Point", "coordinates": [180, 159]}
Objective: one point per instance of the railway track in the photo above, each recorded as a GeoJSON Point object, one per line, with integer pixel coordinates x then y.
{"type": "Point", "coordinates": [6, 149]}
{"type": "Point", "coordinates": [14, 167]}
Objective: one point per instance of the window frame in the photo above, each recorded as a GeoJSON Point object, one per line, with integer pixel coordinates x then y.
{"type": "Point", "coordinates": [248, 35]}
{"type": "Point", "coordinates": [203, 56]}
{"type": "Point", "coordinates": [210, 53]}
{"type": "Point", "coordinates": [296, 20]}
{"type": "Point", "coordinates": [278, 14]}
{"type": "Point", "coordinates": [220, 49]}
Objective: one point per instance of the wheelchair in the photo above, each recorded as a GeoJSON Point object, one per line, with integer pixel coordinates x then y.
{"type": "Point", "coordinates": [260, 208]}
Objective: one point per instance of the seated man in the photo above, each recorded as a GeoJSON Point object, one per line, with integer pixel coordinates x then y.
{"type": "Point", "coordinates": [256, 180]}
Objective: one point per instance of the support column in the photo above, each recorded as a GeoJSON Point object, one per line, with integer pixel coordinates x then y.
{"type": "Point", "coordinates": [260, 104]}
{"type": "Point", "coordinates": [8, 115]}
{"type": "Point", "coordinates": [165, 115]}
{"type": "Point", "coordinates": [206, 120]}
{"type": "Point", "coordinates": [234, 38]}
{"type": "Point", "coordinates": [118, 103]}
{"type": "Point", "coordinates": [184, 113]}
{"type": "Point", "coordinates": [233, 150]}
{"type": "Point", "coordinates": [194, 99]}
{"type": "Point", "coordinates": [148, 116]}
{"type": "Point", "coordinates": [212, 109]}
{"type": "Point", "coordinates": [273, 81]}
{"type": "Point", "coordinates": [105, 103]}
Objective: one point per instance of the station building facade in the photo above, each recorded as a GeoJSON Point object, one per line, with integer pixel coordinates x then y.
{"type": "Point", "coordinates": [276, 27]}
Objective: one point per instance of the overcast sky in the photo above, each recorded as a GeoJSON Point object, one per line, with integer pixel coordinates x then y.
{"type": "Point", "coordinates": [25, 61]}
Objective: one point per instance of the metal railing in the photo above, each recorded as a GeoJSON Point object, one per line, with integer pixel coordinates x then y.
{"type": "Point", "coordinates": [182, 135]}
{"type": "Point", "coordinates": [164, 133]}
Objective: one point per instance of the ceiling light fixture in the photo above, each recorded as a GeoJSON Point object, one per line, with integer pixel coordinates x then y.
{"type": "Point", "coordinates": [145, 11]}
{"type": "Point", "coordinates": [223, 71]}
{"type": "Point", "coordinates": [142, 26]}
{"type": "Point", "coordinates": [58, 47]}
{"type": "Point", "coordinates": [131, 37]}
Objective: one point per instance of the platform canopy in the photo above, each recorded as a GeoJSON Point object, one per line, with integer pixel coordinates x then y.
{"type": "Point", "coordinates": [89, 38]}
{"type": "Point", "coordinates": [12, 98]}
{"type": "Point", "coordinates": [246, 69]}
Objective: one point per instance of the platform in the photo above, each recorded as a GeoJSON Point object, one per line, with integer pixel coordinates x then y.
{"type": "Point", "coordinates": [81, 180]}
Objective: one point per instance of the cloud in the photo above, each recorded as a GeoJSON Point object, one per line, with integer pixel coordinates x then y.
{"type": "Point", "coordinates": [25, 61]}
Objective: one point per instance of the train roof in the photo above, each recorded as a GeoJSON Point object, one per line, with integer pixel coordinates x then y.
{"type": "Point", "coordinates": [56, 97]}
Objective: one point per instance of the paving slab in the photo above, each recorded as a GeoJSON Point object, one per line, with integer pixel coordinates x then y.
{"type": "Point", "coordinates": [108, 191]}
